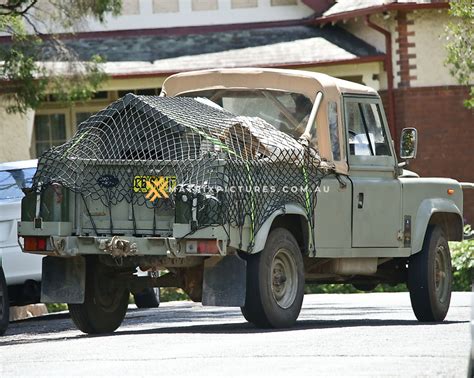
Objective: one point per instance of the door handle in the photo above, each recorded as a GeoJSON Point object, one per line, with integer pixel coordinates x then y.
{"type": "Point", "coordinates": [360, 202]}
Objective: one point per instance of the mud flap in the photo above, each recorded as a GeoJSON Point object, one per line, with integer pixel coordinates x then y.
{"type": "Point", "coordinates": [63, 280]}
{"type": "Point", "coordinates": [224, 281]}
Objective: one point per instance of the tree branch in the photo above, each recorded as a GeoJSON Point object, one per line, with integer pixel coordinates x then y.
{"type": "Point", "coordinates": [14, 9]}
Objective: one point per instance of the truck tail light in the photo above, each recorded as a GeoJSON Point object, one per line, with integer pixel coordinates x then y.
{"type": "Point", "coordinates": [208, 246]}
{"type": "Point", "coordinates": [35, 243]}
{"type": "Point", "coordinates": [205, 246]}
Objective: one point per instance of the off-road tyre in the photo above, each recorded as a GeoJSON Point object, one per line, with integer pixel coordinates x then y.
{"type": "Point", "coordinates": [105, 303]}
{"type": "Point", "coordinates": [4, 304]}
{"type": "Point", "coordinates": [430, 277]}
{"type": "Point", "coordinates": [275, 282]}
{"type": "Point", "coordinates": [148, 298]}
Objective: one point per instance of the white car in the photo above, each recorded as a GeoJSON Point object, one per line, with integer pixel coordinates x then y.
{"type": "Point", "coordinates": [22, 270]}
{"type": "Point", "coordinates": [4, 307]}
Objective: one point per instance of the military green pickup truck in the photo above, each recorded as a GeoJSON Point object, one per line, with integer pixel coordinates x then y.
{"type": "Point", "coordinates": [240, 186]}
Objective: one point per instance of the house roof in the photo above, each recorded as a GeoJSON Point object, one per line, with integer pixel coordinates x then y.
{"type": "Point", "coordinates": [343, 6]}
{"type": "Point", "coordinates": [346, 9]}
{"type": "Point", "coordinates": [152, 48]}
{"type": "Point", "coordinates": [274, 47]}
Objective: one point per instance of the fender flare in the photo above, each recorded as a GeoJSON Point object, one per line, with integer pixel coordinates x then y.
{"type": "Point", "coordinates": [427, 208]}
{"type": "Point", "coordinates": [262, 234]}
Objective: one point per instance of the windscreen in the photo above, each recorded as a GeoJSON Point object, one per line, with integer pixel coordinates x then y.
{"type": "Point", "coordinates": [287, 111]}
{"type": "Point", "coordinates": [12, 181]}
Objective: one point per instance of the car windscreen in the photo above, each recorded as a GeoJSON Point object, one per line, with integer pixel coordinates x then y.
{"type": "Point", "coordinates": [12, 181]}
{"type": "Point", "coordinates": [287, 111]}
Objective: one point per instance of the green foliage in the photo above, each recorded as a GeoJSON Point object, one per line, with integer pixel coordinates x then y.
{"type": "Point", "coordinates": [348, 288]}
{"type": "Point", "coordinates": [462, 256]}
{"type": "Point", "coordinates": [97, 8]}
{"type": "Point", "coordinates": [33, 41]}
{"type": "Point", "coordinates": [460, 39]}
{"type": "Point", "coordinates": [56, 307]}
{"type": "Point", "coordinates": [78, 87]}
{"type": "Point", "coordinates": [25, 82]}
{"type": "Point", "coordinates": [168, 294]}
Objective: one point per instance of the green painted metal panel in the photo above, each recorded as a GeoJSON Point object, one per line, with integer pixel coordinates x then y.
{"type": "Point", "coordinates": [376, 219]}
{"type": "Point", "coordinates": [333, 214]}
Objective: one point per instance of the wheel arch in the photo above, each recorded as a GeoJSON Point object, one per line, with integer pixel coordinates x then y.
{"type": "Point", "coordinates": [442, 213]}
{"type": "Point", "coordinates": [293, 218]}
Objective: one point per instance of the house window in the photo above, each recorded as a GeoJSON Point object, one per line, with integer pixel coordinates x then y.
{"type": "Point", "coordinates": [100, 95]}
{"type": "Point", "coordinates": [130, 7]}
{"type": "Point", "coordinates": [96, 96]}
{"type": "Point", "coordinates": [165, 6]}
{"type": "Point", "coordinates": [276, 3]}
{"type": "Point", "coordinates": [244, 3]}
{"type": "Point", "coordinates": [49, 131]}
{"type": "Point", "coordinates": [204, 5]}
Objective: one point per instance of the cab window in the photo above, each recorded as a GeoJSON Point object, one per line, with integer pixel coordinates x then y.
{"type": "Point", "coordinates": [367, 136]}
{"type": "Point", "coordinates": [334, 130]}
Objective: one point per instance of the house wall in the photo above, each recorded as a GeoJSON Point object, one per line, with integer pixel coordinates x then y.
{"type": "Point", "coordinates": [358, 27]}
{"type": "Point", "coordinates": [420, 49]}
{"type": "Point", "coordinates": [418, 44]}
{"type": "Point", "coordinates": [148, 14]}
{"type": "Point", "coordinates": [429, 46]}
{"type": "Point", "coordinates": [15, 134]}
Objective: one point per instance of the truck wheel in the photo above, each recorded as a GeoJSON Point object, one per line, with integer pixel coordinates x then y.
{"type": "Point", "coordinates": [430, 277]}
{"type": "Point", "coordinates": [105, 303]}
{"type": "Point", "coordinates": [275, 282]}
{"type": "Point", "coordinates": [4, 304]}
{"type": "Point", "coordinates": [148, 298]}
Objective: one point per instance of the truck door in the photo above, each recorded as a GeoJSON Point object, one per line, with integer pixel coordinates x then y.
{"type": "Point", "coordinates": [376, 194]}
{"type": "Point", "coordinates": [333, 207]}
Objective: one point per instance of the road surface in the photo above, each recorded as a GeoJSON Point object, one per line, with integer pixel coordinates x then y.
{"type": "Point", "coordinates": [346, 334]}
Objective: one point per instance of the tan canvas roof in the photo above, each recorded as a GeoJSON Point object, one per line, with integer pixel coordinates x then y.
{"type": "Point", "coordinates": [279, 79]}
{"type": "Point", "coordinates": [304, 82]}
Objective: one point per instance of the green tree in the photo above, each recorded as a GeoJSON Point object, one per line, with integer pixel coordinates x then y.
{"type": "Point", "coordinates": [35, 61]}
{"type": "Point", "coordinates": [460, 39]}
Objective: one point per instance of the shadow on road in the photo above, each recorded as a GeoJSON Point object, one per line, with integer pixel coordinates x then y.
{"type": "Point", "coordinates": [47, 328]}
{"type": "Point", "coordinates": [243, 328]}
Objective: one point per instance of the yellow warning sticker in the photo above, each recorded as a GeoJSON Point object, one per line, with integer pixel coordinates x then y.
{"type": "Point", "coordinates": [155, 186]}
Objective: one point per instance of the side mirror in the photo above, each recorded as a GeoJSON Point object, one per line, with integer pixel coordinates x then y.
{"type": "Point", "coordinates": [408, 143]}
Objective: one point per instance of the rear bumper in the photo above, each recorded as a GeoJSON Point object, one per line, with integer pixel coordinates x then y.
{"type": "Point", "coordinates": [116, 246]}
{"type": "Point", "coordinates": [61, 243]}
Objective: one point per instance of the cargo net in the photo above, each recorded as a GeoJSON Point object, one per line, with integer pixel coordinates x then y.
{"type": "Point", "coordinates": [209, 165]}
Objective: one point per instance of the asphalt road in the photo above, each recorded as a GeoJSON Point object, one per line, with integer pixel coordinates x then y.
{"type": "Point", "coordinates": [349, 334]}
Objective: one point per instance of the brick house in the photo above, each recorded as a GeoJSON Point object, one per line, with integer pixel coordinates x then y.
{"type": "Point", "coordinates": [396, 47]}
